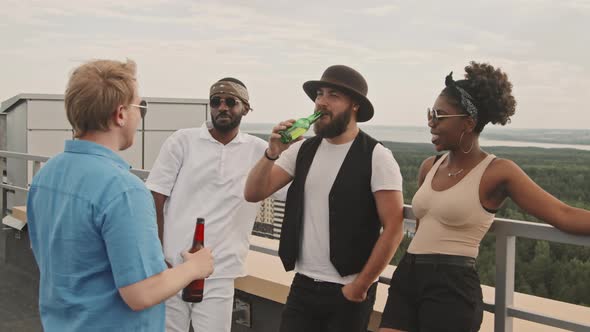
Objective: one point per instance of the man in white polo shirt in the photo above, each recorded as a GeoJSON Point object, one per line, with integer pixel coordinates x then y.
{"type": "Point", "coordinates": [201, 173]}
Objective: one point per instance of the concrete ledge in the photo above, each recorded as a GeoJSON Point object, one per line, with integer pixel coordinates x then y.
{"type": "Point", "coordinates": [18, 218]}
{"type": "Point", "coordinates": [267, 279]}
{"type": "Point", "coordinates": [20, 213]}
{"type": "Point", "coordinates": [11, 221]}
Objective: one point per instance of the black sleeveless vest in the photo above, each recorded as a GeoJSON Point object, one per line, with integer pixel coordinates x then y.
{"type": "Point", "coordinates": [354, 222]}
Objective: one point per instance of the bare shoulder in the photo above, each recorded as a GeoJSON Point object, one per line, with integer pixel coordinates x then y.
{"type": "Point", "coordinates": [502, 166]}
{"type": "Point", "coordinates": [502, 171]}
{"type": "Point", "coordinates": [425, 167]}
{"type": "Point", "coordinates": [427, 164]}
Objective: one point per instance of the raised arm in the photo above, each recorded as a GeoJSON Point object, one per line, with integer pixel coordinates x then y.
{"type": "Point", "coordinates": [533, 199]}
{"type": "Point", "coordinates": [265, 177]}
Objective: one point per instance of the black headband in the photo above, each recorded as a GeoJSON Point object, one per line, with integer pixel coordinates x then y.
{"type": "Point", "coordinates": [467, 100]}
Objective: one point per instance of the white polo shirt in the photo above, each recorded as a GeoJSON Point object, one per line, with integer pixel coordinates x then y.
{"type": "Point", "coordinates": [204, 178]}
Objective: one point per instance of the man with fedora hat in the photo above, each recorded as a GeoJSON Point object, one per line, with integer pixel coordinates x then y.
{"type": "Point", "coordinates": [201, 172]}
{"type": "Point", "coordinates": [345, 188]}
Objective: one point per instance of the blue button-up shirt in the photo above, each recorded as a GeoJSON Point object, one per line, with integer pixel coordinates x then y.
{"type": "Point", "coordinates": [93, 230]}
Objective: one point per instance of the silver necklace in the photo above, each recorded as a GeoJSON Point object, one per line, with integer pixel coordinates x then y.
{"type": "Point", "coordinates": [455, 173]}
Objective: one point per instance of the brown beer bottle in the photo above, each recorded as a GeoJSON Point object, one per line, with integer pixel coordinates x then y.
{"type": "Point", "coordinates": [194, 291]}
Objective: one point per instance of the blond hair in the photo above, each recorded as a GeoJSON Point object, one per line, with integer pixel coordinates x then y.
{"type": "Point", "coordinates": [94, 92]}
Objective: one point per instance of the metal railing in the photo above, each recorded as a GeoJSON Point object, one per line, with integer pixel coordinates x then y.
{"type": "Point", "coordinates": [37, 160]}
{"type": "Point", "coordinates": [506, 232]}
{"type": "Point", "coordinates": [9, 188]}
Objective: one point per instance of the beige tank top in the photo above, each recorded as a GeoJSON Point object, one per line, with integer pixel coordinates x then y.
{"type": "Point", "coordinates": [452, 221]}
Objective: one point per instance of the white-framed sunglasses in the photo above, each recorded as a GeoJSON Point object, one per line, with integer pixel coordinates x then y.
{"type": "Point", "coordinates": [143, 106]}
{"type": "Point", "coordinates": [433, 115]}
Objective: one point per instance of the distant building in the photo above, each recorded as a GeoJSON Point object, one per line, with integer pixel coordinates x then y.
{"type": "Point", "coordinates": [269, 218]}
{"type": "Point", "coordinates": [278, 215]}
{"type": "Point", "coordinates": [265, 214]}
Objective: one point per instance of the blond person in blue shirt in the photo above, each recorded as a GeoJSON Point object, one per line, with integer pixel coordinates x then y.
{"type": "Point", "coordinates": [93, 224]}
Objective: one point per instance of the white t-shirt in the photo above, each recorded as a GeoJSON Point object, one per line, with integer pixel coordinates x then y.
{"type": "Point", "coordinates": [204, 178]}
{"type": "Point", "coordinates": [314, 252]}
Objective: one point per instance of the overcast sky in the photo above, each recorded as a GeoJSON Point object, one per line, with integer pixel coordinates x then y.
{"type": "Point", "coordinates": [403, 48]}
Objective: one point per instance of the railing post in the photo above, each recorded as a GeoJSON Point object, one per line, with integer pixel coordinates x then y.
{"type": "Point", "coordinates": [505, 258]}
{"type": "Point", "coordinates": [3, 202]}
{"type": "Point", "coordinates": [36, 167]}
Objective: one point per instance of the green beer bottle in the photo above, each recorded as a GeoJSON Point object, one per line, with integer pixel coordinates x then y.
{"type": "Point", "coordinates": [299, 128]}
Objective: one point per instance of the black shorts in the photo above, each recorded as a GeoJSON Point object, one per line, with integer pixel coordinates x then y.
{"type": "Point", "coordinates": [427, 296]}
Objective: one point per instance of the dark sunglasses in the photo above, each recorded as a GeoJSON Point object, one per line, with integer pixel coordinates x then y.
{"type": "Point", "coordinates": [215, 102]}
{"type": "Point", "coordinates": [142, 107]}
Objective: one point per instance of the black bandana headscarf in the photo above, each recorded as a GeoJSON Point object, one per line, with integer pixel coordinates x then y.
{"type": "Point", "coordinates": [467, 101]}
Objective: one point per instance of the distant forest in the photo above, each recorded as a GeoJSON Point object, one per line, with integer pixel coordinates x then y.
{"type": "Point", "coordinates": [550, 270]}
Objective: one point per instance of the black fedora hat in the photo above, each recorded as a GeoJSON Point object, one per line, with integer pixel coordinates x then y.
{"type": "Point", "coordinates": [348, 81]}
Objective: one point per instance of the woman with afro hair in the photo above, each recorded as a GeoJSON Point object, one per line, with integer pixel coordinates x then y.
{"type": "Point", "coordinates": [436, 287]}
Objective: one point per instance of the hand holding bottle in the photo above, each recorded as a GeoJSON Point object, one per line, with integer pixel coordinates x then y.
{"type": "Point", "coordinates": [194, 291]}
{"type": "Point", "coordinates": [300, 127]}
{"type": "Point", "coordinates": [201, 261]}
{"type": "Point", "coordinates": [275, 146]}
{"type": "Point", "coordinates": [288, 132]}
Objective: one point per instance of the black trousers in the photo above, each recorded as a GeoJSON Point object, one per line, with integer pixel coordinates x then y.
{"type": "Point", "coordinates": [434, 293]}
{"type": "Point", "coordinates": [321, 306]}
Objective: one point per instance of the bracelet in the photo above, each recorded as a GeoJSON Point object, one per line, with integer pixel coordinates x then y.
{"type": "Point", "coordinates": [268, 157]}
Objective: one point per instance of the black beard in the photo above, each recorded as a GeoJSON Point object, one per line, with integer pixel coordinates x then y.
{"type": "Point", "coordinates": [224, 128]}
{"type": "Point", "coordinates": [336, 127]}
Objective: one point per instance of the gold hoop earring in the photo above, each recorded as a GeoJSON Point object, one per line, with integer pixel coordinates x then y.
{"type": "Point", "coordinates": [461, 140]}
